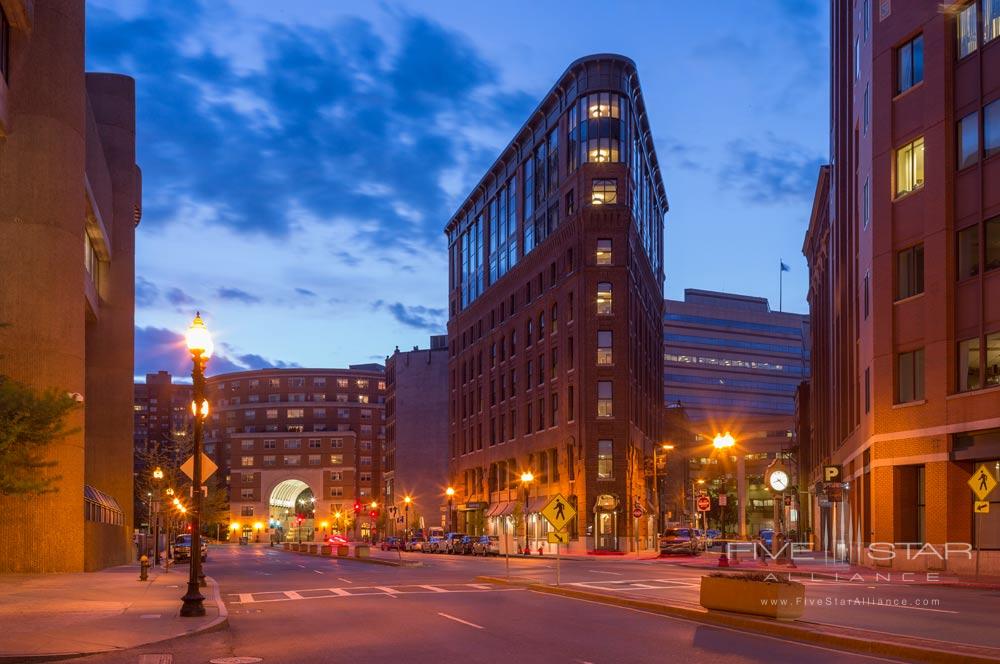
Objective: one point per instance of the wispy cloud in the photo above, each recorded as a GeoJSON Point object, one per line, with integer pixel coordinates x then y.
{"type": "Point", "coordinates": [237, 295]}
{"type": "Point", "coordinates": [770, 171]}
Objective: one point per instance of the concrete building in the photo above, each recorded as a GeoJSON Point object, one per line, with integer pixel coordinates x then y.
{"type": "Point", "coordinates": [734, 364]}
{"type": "Point", "coordinates": [904, 250]}
{"type": "Point", "coordinates": [301, 444]}
{"type": "Point", "coordinates": [416, 411]}
{"type": "Point", "coordinates": [556, 303]}
{"type": "Point", "coordinates": [70, 199]}
{"type": "Point", "coordinates": [162, 411]}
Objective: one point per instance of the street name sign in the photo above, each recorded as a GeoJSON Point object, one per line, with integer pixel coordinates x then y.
{"type": "Point", "coordinates": [558, 512]}
{"type": "Point", "coordinates": [982, 482]}
{"type": "Point", "coordinates": [981, 507]}
{"type": "Point", "coordinates": [558, 537]}
{"type": "Point", "coordinates": [207, 467]}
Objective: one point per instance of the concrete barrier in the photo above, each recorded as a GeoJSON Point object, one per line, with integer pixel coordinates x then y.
{"type": "Point", "coordinates": [287, 546]}
{"type": "Point", "coordinates": [362, 551]}
{"type": "Point", "coordinates": [343, 550]}
{"type": "Point", "coordinates": [324, 550]}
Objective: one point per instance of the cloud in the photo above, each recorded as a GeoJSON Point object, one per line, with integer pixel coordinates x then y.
{"type": "Point", "coordinates": [237, 295]}
{"type": "Point", "coordinates": [177, 297]}
{"type": "Point", "coordinates": [776, 171]}
{"type": "Point", "coordinates": [254, 361]}
{"type": "Point", "coordinates": [146, 292]}
{"type": "Point", "coordinates": [419, 317]}
{"type": "Point", "coordinates": [306, 292]}
{"type": "Point", "coordinates": [162, 349]}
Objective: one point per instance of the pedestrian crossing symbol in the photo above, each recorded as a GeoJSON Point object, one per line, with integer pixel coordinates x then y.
{"type": "Point", "coordinates": [981, 507]}
{"type": "Point", "coordinates": [558, 512]}
{"type": "Point", "coordinates": [982, 482]}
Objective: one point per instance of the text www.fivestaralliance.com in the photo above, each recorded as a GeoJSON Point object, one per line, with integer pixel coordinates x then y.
{"type": "Point", "coordinates": [851, 601]}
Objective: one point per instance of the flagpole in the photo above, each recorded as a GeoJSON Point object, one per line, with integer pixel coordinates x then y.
{"type": "Point", "coordinates": [781, 283]}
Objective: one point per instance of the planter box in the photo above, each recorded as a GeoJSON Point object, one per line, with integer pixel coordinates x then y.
{"type": "Point", "coordinates": [782, 601]}
{"type": "Point", "coordinates": [313, 548]}
{"type": "Point", "coordinates": [324, 550]}
{"type": "Point", "coordinates": [343, 550]}
{"type": "Point", "coordinates": [362, 551]}
{"type": "Point", "coordinates": [287, 546]}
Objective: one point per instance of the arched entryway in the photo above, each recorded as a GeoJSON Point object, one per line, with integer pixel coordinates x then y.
{"type": "Point", "coordinates": [292, 511]}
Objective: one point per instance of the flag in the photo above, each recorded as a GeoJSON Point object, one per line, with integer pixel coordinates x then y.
{"type": "Point", "coordinates": [784, 268]}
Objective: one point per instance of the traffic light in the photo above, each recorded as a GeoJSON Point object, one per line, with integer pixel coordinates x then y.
{"type": "Point", "coordinates": [373, 514]}
{"type": "Point", "coordinates": [357, 507]}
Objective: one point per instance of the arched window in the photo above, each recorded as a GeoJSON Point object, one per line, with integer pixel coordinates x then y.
{"type": "Point", "coordinates": [604, 298]}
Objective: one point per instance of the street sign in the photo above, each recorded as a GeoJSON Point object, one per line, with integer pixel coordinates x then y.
{"type": "Point", "coordinates": [207, 467]}
{"type": "Point", "coordinates": [558, 512]}
{"type": "Point", "coordinates": [637, 512]}
{"type": "Point", "coordinates": [982, 482]}
{"type": "Point", "coordinates": [723, 499]}
{"type": "Point", "coordinates": [981, 507]}
{"type": "Point", "coordinates": [704, 503]}
{"type": "Point", "coordinates": [558, 537]}
{"type": "Point", "coordinates": [832, 473]}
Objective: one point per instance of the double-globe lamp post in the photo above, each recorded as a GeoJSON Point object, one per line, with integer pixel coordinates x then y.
{"type": "Point", "coordinates": [199, 343]}
{"type": "Point", "coordinates": [726, 442]}
{"type": "Point", "coordinates": [406, 519]}
{"type": "Point", "coordinates": [656, 485]}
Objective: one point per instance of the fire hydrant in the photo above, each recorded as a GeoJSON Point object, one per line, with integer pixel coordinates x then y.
{"type": "Point", "coordinates": [144, 568]}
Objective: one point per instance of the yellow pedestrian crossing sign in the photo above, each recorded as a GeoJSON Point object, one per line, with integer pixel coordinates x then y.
{"type": "Point", "coordinates": [981, 507]}
{"type": "Point", "coordinates": [558, 512]}
{"type": "Point", "coordinates": [558, 537]}
{"type": "Point", "coordinates": [982, 482]}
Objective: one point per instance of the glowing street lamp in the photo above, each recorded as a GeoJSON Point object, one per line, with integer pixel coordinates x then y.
{"type": "Point", "coordinates": [406, 519]}
{"type": "Point", "coordinates": [527, 477]}
{"type": "Point", "coordinates": [450, 492]}
{"type": "Point", "coordinates": [723, 441]}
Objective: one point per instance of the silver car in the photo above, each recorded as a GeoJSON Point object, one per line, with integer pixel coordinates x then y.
{"type": "Point", "coordinates": [680, 540]}
{"type": "Point", "coordinates": [487, 545]}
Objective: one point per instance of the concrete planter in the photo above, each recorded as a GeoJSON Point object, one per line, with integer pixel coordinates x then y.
{"type": "Point", "coordinates": [362, 551]}
{"type": "Point", "coordinates": [740, 594]}
{"type": "Point", "coordinates": [324, 550]}
{"type": "Point", "coordinates": [313, 548]}
{"type": "Point", "coordinates": [287, 546]}
{"type": "Point", "coordinates": [343, 550]}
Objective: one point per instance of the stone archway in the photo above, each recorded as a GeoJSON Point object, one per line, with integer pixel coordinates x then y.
{"type": "Point", "coordinates": [291, 510]}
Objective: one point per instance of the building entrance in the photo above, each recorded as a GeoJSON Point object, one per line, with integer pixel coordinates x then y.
{"type": "Point", "coordinates": [292, 512]}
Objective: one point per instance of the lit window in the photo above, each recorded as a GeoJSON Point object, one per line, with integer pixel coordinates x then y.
{"type": "Point", "coordinates": [337, 459]}
{"type": "Point", "coordinates": [910, 376]}
{"type": "Point", "coordinates": [968, 365]}
{"type": "Point", "coordinates": [967, 27]}
{"type": "Point", "coordinates": [910, 272]}
{"type": "Point", "coordinates": [604, 399]}
{"type": "Point", "coordinates": [968, 140]}
{"type": "Point", "coordinates": [362, 383]}
{"type": "Point", "coordinates": [341, 382]}
{"type": "Point", "coordinates": [605, 460]}
{"type": "Point", "coordinates": [993, 359]}
{"type": "Point", "coordinates": [604, 298]}
{"type": "Point", "coordinates": [992, 234]}
{"type": "Point", "coordinates": [910, 167]}
{"type": "Point", "coordinates": [991, 20]}
{"type": "Point", "coordinates": [295, 413]}
{"type": "Point", "coordinates": [604, 252]}
{"type": "Point", "coordinates": [246, 461]}
{"type": "Point", "coordinates": [910, 64]}
{"type": "Point", "coordinates": [991, 127]}
{"type": "Point", "coordinates": [604, 192]}
{"type": "Point", "coordinates": [604, 356]}
{"type": "Point", "coordinates": [272, 413]}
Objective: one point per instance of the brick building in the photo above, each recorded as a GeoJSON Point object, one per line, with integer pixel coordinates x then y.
{"type": "Point", "coordinates": [162, 411]}
{"type": "Point", "coordinates": [70, 199]}
{"type": "Point", "coordinates": [416, 412]}
{"type": "Point", "coordinates": [299, 443]}
{"type": "Point", "coordinates": [904, 250]}
{"type": "Point", "coordinates": [555, 328]}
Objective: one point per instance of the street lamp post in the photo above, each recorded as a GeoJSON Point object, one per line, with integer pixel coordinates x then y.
{"type": "Point", "coordinates": [724, 442]}
{"type": "Point", "coordinates": [199, 343]}
{"type": "Point", "coordinates": [169, 524]}
{"type": "Point", "coordinates": [157, 476]}
{"type": "Point", "coordinates": [450, 492]}
{"type": "Point", "coordinates": [526, 478]}
{"type": "Point", "coordinates": [406, 519]}
{"type": "Point", "coordinates": [656, 488]}
{"type": "Point", "coordinates": [694, 501]}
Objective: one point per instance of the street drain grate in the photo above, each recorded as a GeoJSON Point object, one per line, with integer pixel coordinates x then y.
{"type": "Point", "coordinates": [235, 660]}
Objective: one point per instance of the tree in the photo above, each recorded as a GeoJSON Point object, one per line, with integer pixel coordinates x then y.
{"type": "Point", "coordinates": [30, 420]}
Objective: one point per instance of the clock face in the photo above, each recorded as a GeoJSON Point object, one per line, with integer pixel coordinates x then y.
{"type": "Point", "coordinates": [779, 480]}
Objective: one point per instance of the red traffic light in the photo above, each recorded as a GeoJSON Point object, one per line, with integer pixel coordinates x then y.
{"type": "Point", "coordinates": [373, 513]}
{"type": "Point", "coordinates": [357, 508]}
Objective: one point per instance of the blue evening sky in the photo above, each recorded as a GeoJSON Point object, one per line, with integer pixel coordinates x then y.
{"type": "Point", "coordinates": [300, 159]}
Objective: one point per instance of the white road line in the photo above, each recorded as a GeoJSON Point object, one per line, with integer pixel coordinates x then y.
{"type": "Point", "coordinates": [317, 571]}
{"type": "Point", "coordinates": [600, 571]}
{"type": "Point", "coordinates": [434, 589]}
{"type": "Point", "coordinates": [340, 578]}
{"type": "Point", "coordinates": [291, 594]}
{"type": "Point", "coordinates": [643, 586]}
{"type": "Point", "coordinates": [459, 620]}
{"type": "Point", "coordinates": [302, 566]}
{"type": "Point", "coordinates": [481, 586]}
{"type": "Point", "coordinates": [386, 589]}
{"type": "Point", "coordinates": [246, 598]}
{"type": "Point", "coordinates": [340, 592]}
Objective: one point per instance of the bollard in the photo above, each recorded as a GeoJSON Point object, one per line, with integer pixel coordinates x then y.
{"type": "Point", "coordinates": [144, 568]}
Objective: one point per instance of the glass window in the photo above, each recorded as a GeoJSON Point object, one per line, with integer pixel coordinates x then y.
{"type": "Point", "coordinates": [604, 252]}
{"type": "Point", "coordinates": [968, 365]}
{"type": "Point", "coordinates": [910, 272]}
{"type": "Point", "coordinates": [604, 354]}
{"type": "Point", "coordinates": [910, 64]}
{"type": "Point", "coordinates": [968, 252]}
{"type": "Point", "coordinates": [292, 459]}
{"type": "Point", "coordinates": [4, 45]}
{"type": "Point", "coordinates": [968, 140]}
{"type": "Point", "coordinates": [910, 376]}
{"type": "Point", "coordinates": [867, 110]}
{"type": "Point", "coordinates": [857, 58]}
{"type": "Point", "coordinates": [910, 167]}
{"type": "Point", "coordinates": [604, 399]}
{"type": "Point", "coordinates": [601, 127]}
{"type": "Point", "coordinates": [967, 26]}
{"type": "Point", "coordinates": [604, 191]}
{"type": "Point", "coordinates": [246, 461]}
{"type": "Point", "coordinates": [991, 128]}
{"type": "Point", "coordinates": [336, 459]}
{"type": "Point", "coordinates": [866, 203]}
{"type": "Point", "coordinates": [605, 460]}
{"type": "Point", "coordinates": [991, 20]}
{"type": "Point", "coordinates": [604, 298]}
{"type": "Point", "coordinates": [992, 234]}
{"type": "Point", "coordinates": [993, 359]}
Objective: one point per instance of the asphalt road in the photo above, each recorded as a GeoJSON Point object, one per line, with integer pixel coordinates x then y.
{"type": "Point", "coordinates": [285, 607]}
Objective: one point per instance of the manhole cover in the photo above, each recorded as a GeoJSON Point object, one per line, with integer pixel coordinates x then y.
{"type": "Point", "coordinates": [235, 660]}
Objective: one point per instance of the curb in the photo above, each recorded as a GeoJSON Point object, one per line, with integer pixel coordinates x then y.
{"type": "Point", "coordinates": [784, 570]}
{"type": "Point", "coordinates": [861, 642]}
{"type": "Point", "coordinates": [219, 623]}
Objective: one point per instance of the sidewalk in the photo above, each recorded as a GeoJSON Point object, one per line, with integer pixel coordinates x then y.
{"type": "Point", "coordinates": [45, 616]}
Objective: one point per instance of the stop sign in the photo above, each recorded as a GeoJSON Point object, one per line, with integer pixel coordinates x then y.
{"type": "Point", "coordinates": [704, 503]}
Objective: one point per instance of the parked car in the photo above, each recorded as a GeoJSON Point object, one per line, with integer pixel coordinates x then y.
{"type": "Point", "coordinates": [391, 544]}
{"type": "Point", "coordinates": [680, 540]}
{"type": "Point", "coordinates": [412, 544]}
{"type": "Point", "coordinates": [487, 545]}
{"type": "Point", "coordinates": [182, 548]}
{"type": "Point", "coordinates": [713, 535]}
{"type": "Point", "coordinates": [450, 543]}
{"type": "Point", "coordinates": [432, 545]}
{"type": "Point", "coordinates": [464, 545]}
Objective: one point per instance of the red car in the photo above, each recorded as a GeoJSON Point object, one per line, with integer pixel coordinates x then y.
{"type": "Point", "coordinates": [336, 539]}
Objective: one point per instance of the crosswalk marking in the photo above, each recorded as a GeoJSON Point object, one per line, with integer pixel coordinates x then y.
{"type": "Point", "coordinates": [387, 590]}
{"type": "Point", "coordinates": [434, 589]}
{"type": "Point", "coordinates": [245, 598]}
{"type": "Point", "coordinates": [362, 591]}
{"type": "Point", "coordinates": [340, 592]}
{"type": "Point", "coordinates": [291, 594]}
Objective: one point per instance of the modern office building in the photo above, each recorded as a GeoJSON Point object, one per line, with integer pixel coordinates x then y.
{"type": "Point", "coordinates": [904, 254]}
{"type": "Point", "coordinates": [556, 303]}
{"type": "Point", "coordinates": [416, 456]}
{"type": "Point", "coordinates": [734, 364]}
{"type": "Point", "coordinates": [70, 199]}
{"type": "Point", "coordinates": [303, 447]}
